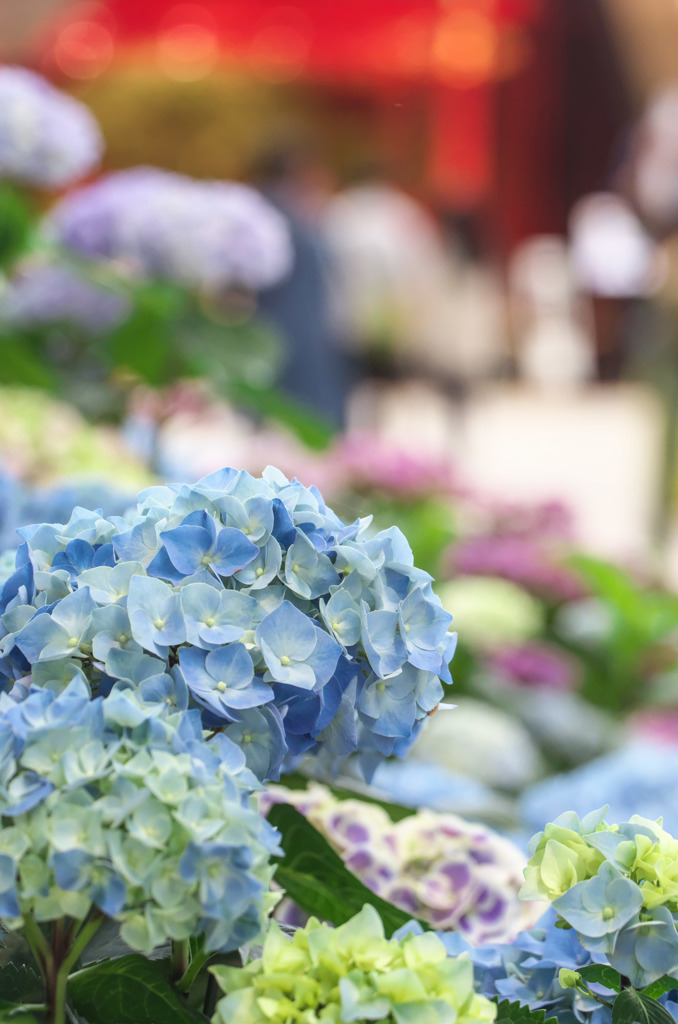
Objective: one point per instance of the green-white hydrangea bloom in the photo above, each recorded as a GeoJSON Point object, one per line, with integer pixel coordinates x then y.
{"type": "Point", "coordinates": [351, 973]}
{"type": "Point", "coordinates": [616, 886]}
{"type": "Point", "coordinates": [490, 611]}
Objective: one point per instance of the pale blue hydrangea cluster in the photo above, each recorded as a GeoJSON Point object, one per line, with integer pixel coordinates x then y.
{"type": "Point", "coordinates": [55, 294]}
{"type": "Point", "coordinates": [47, 138]}
{"type": "Point", "coordinates": [292, 631]}
{"type": "Point", "coordinates": [166, 226]}
{"type": "Point", "coordinates": [526, 971]}
{"type": "Point", "coordinates": [119, 804]}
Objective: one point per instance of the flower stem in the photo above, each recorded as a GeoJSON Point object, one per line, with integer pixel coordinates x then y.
{"type": "Point", "coordinates": [58, 1010]}
{"type": "Point", "coordinates": [582, 987]}
{"type": "Point", "coordinates": [54, 963]}
{"type": "Point", "coordinates": [40, 947]}
{"type": "Point", "coordinates": [179, 959]}
{"type": "Point", "coordinates": [198, 961]}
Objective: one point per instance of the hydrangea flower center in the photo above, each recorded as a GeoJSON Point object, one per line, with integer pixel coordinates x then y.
{"type": "Point", "coordinates": [221, 686]}
{"type": "Point", "coordinates": [285, 660]}
{"type": "Point", "coordinates": [608, 913]}
{"type": "Point", "coordinates": [159, 623]}
{"type": "Point", "coordinates": [73, 642]}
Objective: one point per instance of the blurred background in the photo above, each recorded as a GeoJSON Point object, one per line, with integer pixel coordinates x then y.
{"type": "Point", "coordinates": [468, 326]}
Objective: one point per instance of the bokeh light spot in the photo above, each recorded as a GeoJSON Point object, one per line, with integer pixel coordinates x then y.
{"type": "Point", "coordinates": [465, 48]}
{"type": "Point", "coordinates": [188, 51]}
{"type": "Point", "coordinates": [83, 49]}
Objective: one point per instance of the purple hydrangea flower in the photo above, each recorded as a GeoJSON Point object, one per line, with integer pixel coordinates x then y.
{"type": "Point", "coordinates": [454, 874]}
{"type": "Point", "coordinates": [534, 665]}
{"type": "Point", "coordinates": [163, 225]}
{"type": "Point", "coordinates": [520, 559]}
{"type": "Point", "coordinates": [47, 138]}
{"type": "Point", "coordinates": [44, 293]}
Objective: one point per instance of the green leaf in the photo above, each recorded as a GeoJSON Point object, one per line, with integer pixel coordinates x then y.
{"type": "Point", "coordinates": [20, 978]}
{"type": "Point", "coordinates": [21, 983]}
{"type": "Point", "coordinates": [106, 944]}
{"type": "Point", "coordinates": [140, 346]}
{"type": "Point", "coordinates": [313, 430]}
{"type": "Point", "coordinates": [10, 1013]}
{"type": "Point", "coordinates": [15, 224]}
{"type": "Point", "coordinates": [517, 1013]}
{"type": "Point", "coordinates": [226, 349]}
{"type": "Point", "coordinates": [131, 990]}
{"type": "Point", "coordinates": [601, 974]}
{"type": "Point", "coordinates": [318, 880]}
{"type": "Point", "coordinates": [22, 361]}
{"type": "Point", "coordinates": [631, 1007]}
{"type": "Point", "coordinates": [659, 987]}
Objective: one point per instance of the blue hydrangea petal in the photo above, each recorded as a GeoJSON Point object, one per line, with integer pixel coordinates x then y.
{"type": "Point", "coordinates": [73, 612]}
{"type": "Point", "coordinates": [189, 547]}
{"type": "Point", "coordinates": [392, 716]}
{"type": "Point", "coordinates": [155, 615]}
{"type": "Point", "coordinates": [71, 868]}
{"type": "Point", "coordinates": [260, 735]}
{"type": "Point", "coordinates": [260, 572]}
{"type": "Point", "coordinates": [287, 632]}
{"type": "Point", "coordinates": [232, 551]}
{"type": "Point", "coordinates": [307, 572]}
{"type": "Point", "coordinates": [385, 649]}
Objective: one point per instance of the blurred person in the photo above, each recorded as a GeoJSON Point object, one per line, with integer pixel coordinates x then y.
{"type": "Point", "coordinates": [617, 264]}
{"type": "Point", "coordinates": [648, 178]}
{"type": "Point", "coordinates": [316, 371]}
{"type": "Point", "coordinates": [409, 306]}
{"type": "Point", "coordinates": [553, 345]}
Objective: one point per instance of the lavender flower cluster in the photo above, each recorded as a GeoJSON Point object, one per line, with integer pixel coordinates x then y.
{"type": "Point", "coordinates": [170, 227]}
{"type": "Point", "coordinates": [456, 875]}
{"type": "Point", "coordinates": [47, 139]}
{"type": "Point", "coordinates": [55, 294]}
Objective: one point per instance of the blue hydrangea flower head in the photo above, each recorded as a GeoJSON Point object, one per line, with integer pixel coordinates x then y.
{"type": "Point", "coordinates": [245, 598]}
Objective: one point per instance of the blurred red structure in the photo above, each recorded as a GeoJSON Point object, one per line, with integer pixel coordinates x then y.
{"type": "Point", "coordinates": [460, 41]}
{"type": "Point", "coordinates": [500, 91]}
